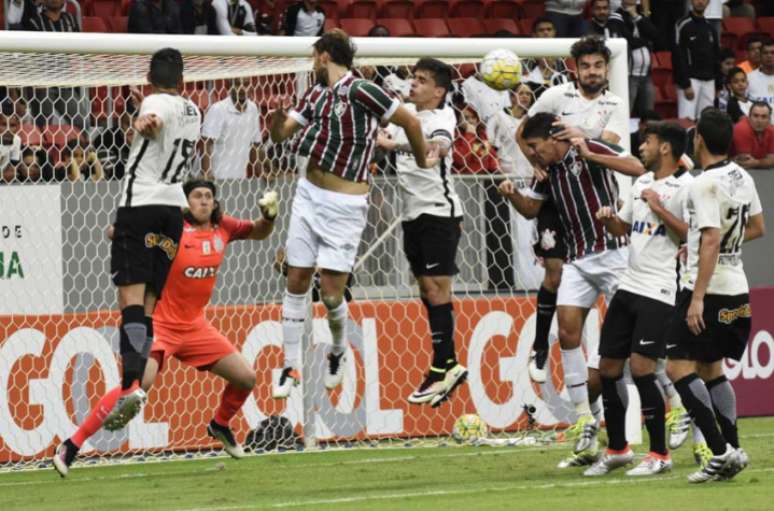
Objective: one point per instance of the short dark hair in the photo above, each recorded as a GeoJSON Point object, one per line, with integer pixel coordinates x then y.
{"type": "Point", "coordinates": [442, 72]}
{"type": "Point", "coordinates": [754, 39]}
{"type": "Point", "coordinates": [768, 42]}
{"type": "Point", "coordinates": [338, 45]}
{"type": "Point", "coordinates": [671, 133]}
{"type": "Point", "coordinates": [166, 68]}
{"type": "Point", "coordinates": [539, 125]}
{"type": "Point", "coordinates": [717, 130]}
{"type": "Point", "coordinates": [379, 31]}
{"type": "Point", "coordinates": [650, 115]}
{"type": "Point", "coordinates": [733, 72]}
{"type": "Point", "coordinates": [193, 184]}
{"type": "Point", "coordinates": [760, 104]}
{"type": "Point", "coordinates": [590, 45]}
{"type": "Point", "coordinates": [541, 19]}
{"type": "Point", "coordinates": [726, 53]}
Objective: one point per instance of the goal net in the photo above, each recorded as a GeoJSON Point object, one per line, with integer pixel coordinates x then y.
{"type": "Point", "coordinates": [66, 130]}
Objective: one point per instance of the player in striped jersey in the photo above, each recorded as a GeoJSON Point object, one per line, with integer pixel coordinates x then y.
{"type": "Point", "coordinates": [338, 120]}
{"type": "Point", "coordinates": [655, 214]}
{"type": "Point", "coordinates": [580, 181]}
{"type": "Point", "coordinates": [149, 219]}
{"type": "Point", "coordinates": [712, 316]}
{"type": "Point", "coordinates": [432, 218]}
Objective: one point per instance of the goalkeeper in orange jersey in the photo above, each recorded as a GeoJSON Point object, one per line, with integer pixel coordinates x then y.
{"type": "Point", "coordinates": [180, 328]}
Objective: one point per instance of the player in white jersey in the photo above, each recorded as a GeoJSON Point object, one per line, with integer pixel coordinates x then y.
{"type": "Point", "coordinates": [712, 315]}
{"type": "Point", "coordinates": [654, 213]}
{"type": "Point", "coordinates": [432, 218]}
{"type": "Point", "coordinates": [149, 219]}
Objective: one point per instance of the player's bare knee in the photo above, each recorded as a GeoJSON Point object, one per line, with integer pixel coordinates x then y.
{"type": "Point", "coordinates": [674, 370]}
{"type": "Point", "coordinates": [642, 366]}
{"type": "Point", "coordinates": [610, 368]}
{"type": "Point", "coordinates": [569, 338]}
{"type": "Point", "coordinates": [245, 381]}
{"type": "Point", "coordinates": [552, 279]}
{"type": "Point", "coordinates": [331, 301]}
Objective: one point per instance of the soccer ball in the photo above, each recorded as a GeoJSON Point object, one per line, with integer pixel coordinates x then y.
{"type": "Point", "coordinates": [469, 427]}
{"type": "Point", "coordinates": [501, 69]}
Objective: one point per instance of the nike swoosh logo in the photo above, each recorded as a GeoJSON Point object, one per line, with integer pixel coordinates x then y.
{"type": "Point", "coordinates": [645, 343]}
{"type": "Point", "coordinates": [670, 346]}
{"type": "Point", "coordinates": [113, 275]}
{"type": "Point", "coordinates": [431, 266]}
{"type": "Point", "coordinates": [567, 113]}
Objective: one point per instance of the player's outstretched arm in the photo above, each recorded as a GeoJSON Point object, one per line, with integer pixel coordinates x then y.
{"type": "Point", "coordinates": [528, 207]}
{"type": "Point", "coordinates": [755, 227]}
{"type": "Point", "coordinates": [672, 223]}
{"type": "Point", "coordinates": [612, 222]}
{"type": "Point", "coordinates": [281, 126]}
{"type": "Point", "coordinates": [411, 125]}
{"type": "Point", "coordinates": [269, 205]}
{"type": "Point", "coordinates": [607, 157]}
{"type": "Point", "coordinates": [148, 125]}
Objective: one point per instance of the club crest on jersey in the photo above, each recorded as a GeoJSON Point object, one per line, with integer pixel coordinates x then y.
{"type": "Point", "coordinates": [168, 246]}
{"type": "Point", "coordinates": [576, 168]}
{"type": "Point", "coordinates": [218, 241]}
{"type": "Point", "coordinates": [196, 272]}
{"type": "Point", "coordinates": [728, 316]}
{"type": "Point", "coordinates": [340, 108]}
{"type": "Point", "coordinates": [547, 239]}
{"type": "Point", "coordinates": [206, 248]}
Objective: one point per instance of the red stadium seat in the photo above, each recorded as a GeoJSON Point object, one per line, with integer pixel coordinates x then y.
{"type": "Point", "coordinates": [466, 70]}
{"type": "Point", "coordinates": [533, 9]}
{"type": "Point", "coordinates": [101, 8]}
{"type": "Point", "coordinates": [466, 27]}
{"type": "Point", "coordinates": [728, 40]}
{"type": "Point", "coordinates": [504, 9]}
{"type": "Point", "coordinates": [738, 25]}
{"type": "Point", "coordinates": [330, 24]}
{"type": "Point", "coordinates": [661, 77]}
{"type": "Point", "coordinates": [398, 27]}
{"type": "Point", "coordinates": [431, 27]}
{"type": "Point", "coordinates": [766, 24]}
{"type": "Point", "coordinates": [362, 9]}
{"type": "Point", "coordinates": [125, 5]}
{"type": "Point", "coordinates": [466, 9]}
{"type": "Point", "coordinates": [330, 8]}
{"type": "Point", "coordinates": [663, 59]}
{"type": "Point", "coordinates": [357, 27]}
{"type": "Point", "coordinates": [94, 24]}
{"type": "Point", "coordinates": [494, 25]}
{"type": "Point", "coordinates": [30, 135]}
{"type": "Point", "coordinates": [397, 9]}
{"type": "Point", "coordinates": [431, 9]}
{"type": "Point", "coordinates": [665, 106]}
{"type": "Point", "coordinates": [119, 24]}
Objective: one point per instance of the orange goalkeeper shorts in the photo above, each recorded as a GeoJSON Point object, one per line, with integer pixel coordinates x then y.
{"type": "Point", "coordinates": [199, 345]}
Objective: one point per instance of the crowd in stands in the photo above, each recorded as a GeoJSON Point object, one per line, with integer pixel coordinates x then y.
{"type": "Point", "coordinates": [684, 55]}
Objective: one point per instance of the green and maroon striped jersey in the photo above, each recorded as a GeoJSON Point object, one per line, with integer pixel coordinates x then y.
{"type": "Point", "coordinates": [579, 188]}
{"type": "Point", "coordinates": [340, 123]}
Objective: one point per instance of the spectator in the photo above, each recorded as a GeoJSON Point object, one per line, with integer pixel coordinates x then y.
{"type": "Point", "coordinates": [198, 17]}
{"type": "Point", "coordinates": [666, 13]}
{"type": "Point", "coordinates": [754, 45]}
{"type": "Point", "coordinates": [154, 17]}
{"type": "Point", "coordinates": [84, 163]}
{"type": "Point", "coordinates": [567, 17]}
{"type": "Point", "coordinates": [636, 137]}
{"type": "Point", "coordinates": [738, 9]}
{"type": "Point", "coordinates": [379, 31]}
{"type": "Point", "coordinates": [20, 12]}
{"type": "Point", "coordinates": [600, 14]}
{"type": "Point", "coordinates": [234, 17]}
{"type": "Point", "coordinates": [305, 18]}
{"type": "Point", "coordinates": [10, 144]}
{"type": "Point", "coordinates": [113, 146]}
{"type": "Point", "coordinates": [473, 154]}
{"type": "Point", "coordinates": [549, 71]}
{"type": "Point", "coordinates": [753, 146]}
{"type": "Point", "coordinates": [642, 38]}
{"type": "Point", "coordinates": [8, 175]}
{"type": "Point", "coordinates": [501, 130]}
{"type": "Point", "coordinates": [231, 133]}
{"type": "Point", "coordinates": [695, 61]}
{"type": "Point", "coordinates": [762, 79]}
{"type": "Point", "coordinates": [29, 168]}
{"type": "Point", "coordinates": [53, 18]}
{"type": "Point", "coordinates": [727, 59]}
{"type": "Point", "coordinates": [733, 99]}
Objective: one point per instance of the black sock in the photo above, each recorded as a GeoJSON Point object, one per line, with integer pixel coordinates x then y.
{"type": "Point", "coordinates": [441, 319]}
{"type": "Point", "coordinates": [697, 401]}
{"type": "Point", "coordinates": [653, 410]}
{"type": "Point", "coordinates": [546, 306]}
{"type": "Point", "coordinates": [724, 403]}
{"type": "Point", "coordinates": [134, 344]}
{"type": "Point", "coordinates": [615, 414]}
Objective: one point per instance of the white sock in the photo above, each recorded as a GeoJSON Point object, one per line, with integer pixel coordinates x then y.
{"type": "Point", "coordinates": [698, 436]}
{"type": "Point", "coordinates": [576, 379]}
{"type": "Point", "coordinates": [337, 322]}
{"type": "Point", "coordinates": [294, 312]}
{"type": "Point", "coordinates": [596, 409]}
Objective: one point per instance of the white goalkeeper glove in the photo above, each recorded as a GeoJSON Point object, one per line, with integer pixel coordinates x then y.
{"type": "Point", "coordinates": [269, 205]}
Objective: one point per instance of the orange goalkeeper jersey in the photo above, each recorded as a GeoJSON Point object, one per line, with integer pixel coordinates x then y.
{"type": "Point", "coordinates": [195, 270]}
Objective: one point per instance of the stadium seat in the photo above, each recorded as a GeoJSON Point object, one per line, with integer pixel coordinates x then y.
{"type": "Point", "coordinates": [331, 9]}
{"type": "Point", "coordinates": [466, 27]}
{"type": "Point", "coordinates": [94, 24]}
{"type": "Point", "coordinates": [525, 25]}
{"type": "Point", "coordinates": [504, 9]}
{"type": "Point", "coordinates": [119, 24]}
{"type": "Point", "coordinates": [431, 27]}
{"type": "Point", "coordinates": [362, 9]}
{"type": "Point", "coordinates": [663, 59]}
{"type": "Point", "coordinates": [738, 25]}
{"type": "Point", "coordinates": [494, 25]}
{"type": "Point", "coordinates": [533, 9]}
{"type": "Point", "coordinates": [330, 24]}
{"type": "Point", "coordinates": [357, 27]}
{"type": "Point", "coordinates": [397, 9]}
{"type": "Point", "coordinates": [125, 5]}
{"type": "Point", "coordinates": [466, 9]}
{"type": "Point", "coordinates": [766, 24]}
{"type": "Point", "coordinates": [398, 27]}
{"type": "Point", "coordinates": [661, 76]}
{"type": "Point", "coordinates": [665, 105]}
{"type": "Point", "coordinates": [729, 40]}
{"type": "Point", "coordinates": [101, 8]}
{"type": "Point", "coordinates": [30, 135]}
{"type": "Point", "coordinates": [431, 9]}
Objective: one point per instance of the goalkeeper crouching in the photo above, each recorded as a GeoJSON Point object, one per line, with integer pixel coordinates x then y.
{"type": "Point", "coordinates": [179, 325]}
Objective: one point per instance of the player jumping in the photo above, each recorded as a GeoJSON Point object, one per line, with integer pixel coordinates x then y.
{"type": "Point", "coordinates": [338, 119]}
{"type": "Point", "coordinates": [181, 330]}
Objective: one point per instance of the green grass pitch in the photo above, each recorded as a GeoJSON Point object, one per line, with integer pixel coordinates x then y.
{"type": "Point", "coordinates": [439, 478]}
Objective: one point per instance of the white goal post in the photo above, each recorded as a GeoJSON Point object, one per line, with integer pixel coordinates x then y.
{"type": "Point", "coordinates": [58, 336]}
